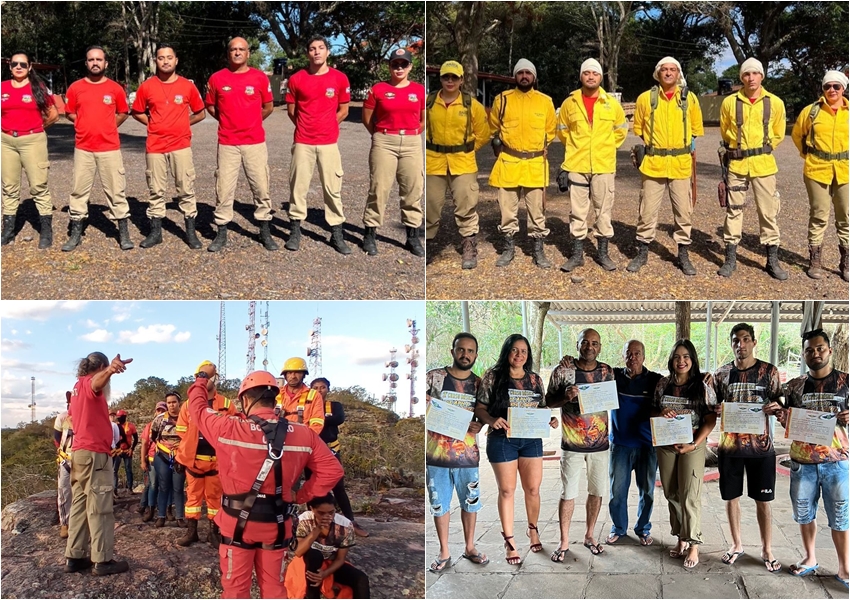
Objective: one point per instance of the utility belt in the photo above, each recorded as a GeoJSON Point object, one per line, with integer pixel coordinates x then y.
{"type": "Point", "coordinates": [287, 543]}
{"type": "Point", "coordinates": [828, 155]}
{"type": "Point", "coordinates": [468, 147]}
{"type": "Point", "coordinates": [523, 155]}
{"type": "Point", "coordinates": [23, 132]}
{"type": "Point", "coordinates": [416, 131]}
{"type": "Point", "coordinates": [168, 452]}
{"type": "Point", "coordinates": [653, 151]}
{"type": "Point", "coordinates": [739, 154]}
{"type": "Point", "coordinates": [263, 510]}
{"type": "Point", "coordinates": [210, 473]}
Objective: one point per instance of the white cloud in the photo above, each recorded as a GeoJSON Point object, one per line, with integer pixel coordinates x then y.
{"type": "Point", "coordinates": [121, 312]}
{"type": "Point", "coordinates": [14, 332]}
{"type": "Point", "coordinates": [13, 345]}
{"type": "Point", "coordinates": [40, 310]}
{"type": "Point", "coordinates": [31, 367]}
{"type": "Point", "coordinates": [358, 351]}
{"type": "Point", "coordinates": [98, 335]}
{"type": "Point", "coordinates": [92, 324]}
{"type": "Point", "coordinates": [153, 333]}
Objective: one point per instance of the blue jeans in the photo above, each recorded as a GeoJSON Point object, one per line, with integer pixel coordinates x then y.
{"type": "Point", "coordinates": [169, 482]}
{"type": "Point", "coordinates": [151, 489]}
{"type": "Point", "coordinates": [128, 471]}
{"type": "Point", "coordinates": [809, 482]}
{"type": "Point", "coordinates": [443, 481]}
{"type": "Point", "coordinates": [624, 460]}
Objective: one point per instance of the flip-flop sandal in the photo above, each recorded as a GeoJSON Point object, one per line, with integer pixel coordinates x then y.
{"type": "Point", "coordinates": [772, 566]}
{"type": "Point", "coordinates": [730, 558]}
{"type": "Point", "coordinates": [558, 555]}
{"type": "Point", "coordinates": [846, 582]}
{"type": "Point", "coordinates": [612, 539]}
{"type": "Point", "coordinates": [674, 553]}
{"type": "Point", "coordinates": [478, 559]}
{"type": "Point", "coordinates": [595, 549]}
{"type": "Point", "coordinates": [439, 565]}
{"type": "Point", "coordinates": [807, 570]}
{"type": "Point", "coordinates": [538, 547]}
{"type": "Point", "coordinates": [645, 540]}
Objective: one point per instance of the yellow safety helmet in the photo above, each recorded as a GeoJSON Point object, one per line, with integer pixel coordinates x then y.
{"type": "Point", "coordinates": [296, 363]}
{"type": "Point", "coordinates": [204, 364]}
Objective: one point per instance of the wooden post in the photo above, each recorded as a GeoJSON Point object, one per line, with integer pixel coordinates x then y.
{"type": "Point", "coordinates": [683, 320]}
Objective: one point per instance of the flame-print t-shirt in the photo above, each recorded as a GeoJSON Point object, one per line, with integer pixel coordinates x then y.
{"type": "Point", "coordinates": [579, 433]}
{"type": "Point", "coordinates": [828, 394]}
{"type": "Point", "coordinates": [441, 450]}
{"type": "Point", "coordinates": [670, 395]}
{"type": "Point", "coordinates": [760, 384]}
{"type": "Point", "coordinates": [526, 392]}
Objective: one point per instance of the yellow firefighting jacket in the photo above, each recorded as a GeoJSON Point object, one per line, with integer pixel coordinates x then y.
{"type": "Point", "coordinates": [525, 122]}
{"type": "Point", "coordinates": [591, 148]}
{"type": "Point", "coordinates": [752, 131]}
{"type": "Point", "coordinates": [826, 135]}
{"type": "Point", "coordinates": [447, 126]}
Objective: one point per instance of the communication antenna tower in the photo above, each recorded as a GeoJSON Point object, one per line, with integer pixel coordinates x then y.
{"type": "Point", "coordinates": [390, 397]}
{"type": "Point", "coordinates": [252, 336]}
{"type": "Point", "coordinates": [314, 350]}
{"type": "Point", "coordinates": [264, 342]}
{"type": "Point", "coordinates": [222, 343]}
{"type": "Point", "coordinates": [32, 400]}
{"type": "Point", "coordinates": [413, 360]}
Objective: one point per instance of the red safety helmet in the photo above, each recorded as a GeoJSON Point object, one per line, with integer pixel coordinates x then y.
{"type": "Point", "coordinates": [258, 379]}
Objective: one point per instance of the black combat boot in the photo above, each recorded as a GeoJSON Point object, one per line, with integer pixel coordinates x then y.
{"type": "Point", "coordinates": [602, 258]}
{"type": "Point", "coordinates": [124, 234]}
{"type": "Point", "coordinates": [685, 261]}
{"type": "Point", "coordinates": [729, 265]}
{"type": "Point", "coordinates": [76, 236]}
{"type": "Point", "coordinates": [507, 254]}
{"type": "Point", "coordinates": [772, 266]}
{"type": "Point", "coordinates": [370, 246]}
{"type": "Point", "coordinates": [220, 240]}
{"type": "Point", "coordinates": [294, 241]}
{"type": "Point", "coordinates": [577, 257]}
{"type": "Point", "coordinates": [266, 236]}
{"type": "Point", "coordinates": [413, 244]}
{"type": "Point", "coordinates": [45, 234]}
{"type": "Point", "coordinates": [338, 241]}
{"type": "Point", "coordinates": [155, 236]}
{"type": "Point", "coordinates": [191, 234]}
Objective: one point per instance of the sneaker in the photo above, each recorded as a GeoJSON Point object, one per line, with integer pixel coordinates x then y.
{"type": "Point", "coordinates": [111, 567]}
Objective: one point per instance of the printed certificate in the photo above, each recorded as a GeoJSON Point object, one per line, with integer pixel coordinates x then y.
{"type": "Point", "coordinates": [529, 422]}
{"type": "Point", "coordinates": [742, 417]}
{"type": "Point", "coordinates": [666, 432]}
{"type": "Point", "coordinates": [810, 426]}
{"type": "Point", "coordinates": [447, 419]}
{"type": "Point", "coordinates": [597, 397]}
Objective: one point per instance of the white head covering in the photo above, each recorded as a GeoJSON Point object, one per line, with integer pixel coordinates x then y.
{"type": "Point", "coordinates": [591, 64]}
{"type": "Point", "coordinates": [750, 65]}
{"type": "Point", "coordinates": [834, 77]}
{"type": "Point", "coordinates": [669, 60]}
{"type": "Point", "coordinates": [525, 64]}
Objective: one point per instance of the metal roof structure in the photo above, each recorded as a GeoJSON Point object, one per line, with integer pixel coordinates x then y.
{"type": "Point", "coordinates": [563, 313]}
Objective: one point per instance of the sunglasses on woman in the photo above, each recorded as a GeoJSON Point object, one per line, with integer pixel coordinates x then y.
{"type": "Point", "coordinates": [22, 65]}
{"type": "Point", "coordinates": [449, 77]}
{"type": "Point", "coordinates": [833, 86]}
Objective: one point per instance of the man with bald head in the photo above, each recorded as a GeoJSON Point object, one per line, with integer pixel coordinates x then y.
{"type": "Point", "coordinates": [239, 97]}
{"type": "Point", "coordinates": [584, 437]}
{"type": "Point", "coordinates": [631, 445]}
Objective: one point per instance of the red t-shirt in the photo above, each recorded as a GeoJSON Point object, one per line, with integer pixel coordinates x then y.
{"type": "Point", "coordinates": [589, 103]}
{"type": "Point", "coordinates": [168, 106]}
{"type": "Point", "coordinates": [238, 99]}
{"type": "Point", "coordinates": [18, 110]}
{"type": "Point", "coordinates": [316, 99]}
{"type": "Point", "coordinates": [92, 427]}
{"type": "Point", "coordinates": [96, 105]}
{"type": "Point", "coordinates": [396, 108]}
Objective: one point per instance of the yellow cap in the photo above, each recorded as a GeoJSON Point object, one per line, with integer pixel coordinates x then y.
{"type": "Point", "coordinates": [451, 67]}
{"type": "Point", "coordinates": [204, 364]}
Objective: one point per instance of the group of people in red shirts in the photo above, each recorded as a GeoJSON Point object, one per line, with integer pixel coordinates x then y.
{"type": "Point", "coordinates": [239, 97]}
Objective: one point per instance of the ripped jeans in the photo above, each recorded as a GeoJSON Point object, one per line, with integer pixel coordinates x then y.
{"type": "Point", "coordinates": [809, 482]}
{"type": "Point", "coordinates": [441, 481]}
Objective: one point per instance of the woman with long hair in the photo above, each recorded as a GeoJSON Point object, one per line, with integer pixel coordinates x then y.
{"type": "Point", "coordinates": [681, 466]}
{"type": "Point", "coordinates": [27, 110]}
{"type": "Point", "coordinates": [394, 114]}
{"type": "Point", "coordinates": [511, 382]}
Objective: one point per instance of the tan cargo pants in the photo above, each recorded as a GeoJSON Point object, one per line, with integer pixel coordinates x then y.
{"type": "Point", "coordinates": [182, 168]}
{"type": "Point", "coordinates": [465, 195]}
{"type": "Point", "coordinates": [254, 160]}
{"type": "Point", "coordinates": [395, 158]}
{"type": "Point", "coordinates": [509, 207]}
{"type": "Point", "coordinates": [681, 477]}
{"type": "Point", "coordinates": [821, 196]}
{"type": "Point", "coordinates": [110, 167]}
{"type": "Point", "coordinates": [767, 206]}
{"type": "Point", "coordinates": [91, 520]}
{"type": "Point", "coordinates": [27, 152]}
{"type": "Point", "coordinates": [594, 192]}
{"type": "Point", "coordinates": [651, 195]}
{"type": "Point", "coordinates": [304, 160]}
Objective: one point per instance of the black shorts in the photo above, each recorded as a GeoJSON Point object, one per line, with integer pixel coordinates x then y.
{"type": "Point", "coordinates": [761, 477]}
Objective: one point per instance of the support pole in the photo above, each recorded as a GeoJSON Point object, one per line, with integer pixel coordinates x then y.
{"type": "Point", "coordinates": [464, 315]}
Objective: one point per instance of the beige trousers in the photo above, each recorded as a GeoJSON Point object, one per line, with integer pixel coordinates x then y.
{"type": "Point", "coordinates": [651, 195]}
{"type": "Point", "coordinates": [509, 206]}
{"type": "Point", "coordinates": [254, 160]}
{"type": "Point", "coordinates": [767, 206]}
{"type": "Point", "coordinates": [681, 477]}
{"type": "Point", "coordinates": [182, 169]}
{"type": "Point", "coordinates": [110, 167]}
{"type": "Point", "coordinates": [395, 158]}
{"type": "Point", "coordinates": [821, 196]}
{"type": "Point", "coordinates": [30, 153]}
{"type": "Point", "coordinates": [595, 192]}
{"type": "Point", "coordinates": [465, 195]}
{"type": "Point", "coordinates": [91, 520]}
{"type": "Point", "coordinates": [304, 160]}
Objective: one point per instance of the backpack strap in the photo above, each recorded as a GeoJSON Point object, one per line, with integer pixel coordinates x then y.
{"type": "Point", "coordinates": [813, 114]}
{"type": "Point", "coordinates": [738, 153]}
{"type": "Point", "coordinates": [653, 104]}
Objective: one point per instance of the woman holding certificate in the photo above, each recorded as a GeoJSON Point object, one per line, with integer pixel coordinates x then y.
{"type": "Point", "coordinates": [681, 465]}
{"type": "Point", "coordinates": [511, 384]}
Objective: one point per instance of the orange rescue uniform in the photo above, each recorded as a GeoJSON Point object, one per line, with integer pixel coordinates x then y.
{"type": "Point", "coordinates": [304, 406]}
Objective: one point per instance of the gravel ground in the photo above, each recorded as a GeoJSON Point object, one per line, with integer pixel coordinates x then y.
{"type": "Point", "coordinates": [660, 278]}
{"type": "Point", "coordinates": [98, 269]}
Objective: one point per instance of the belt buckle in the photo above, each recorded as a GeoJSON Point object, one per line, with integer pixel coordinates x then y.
{"type": "Point", "coordinates": [525, 155]}
{"type": "Point", "coordinates": [15, 134]}
{"type": "Point", "coordinates": [401, 131]}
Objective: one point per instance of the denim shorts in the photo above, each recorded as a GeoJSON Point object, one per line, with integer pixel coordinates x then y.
{"type": "Point", "coordinates": [808, 482]}
{"type": "Point", "coordinates": [441, 482]}
{"type": "Point", "coordinates": [501, 448]}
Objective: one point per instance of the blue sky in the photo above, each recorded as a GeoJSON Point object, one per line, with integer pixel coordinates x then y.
{"type": "Point", "coordinates": [46, 339]}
